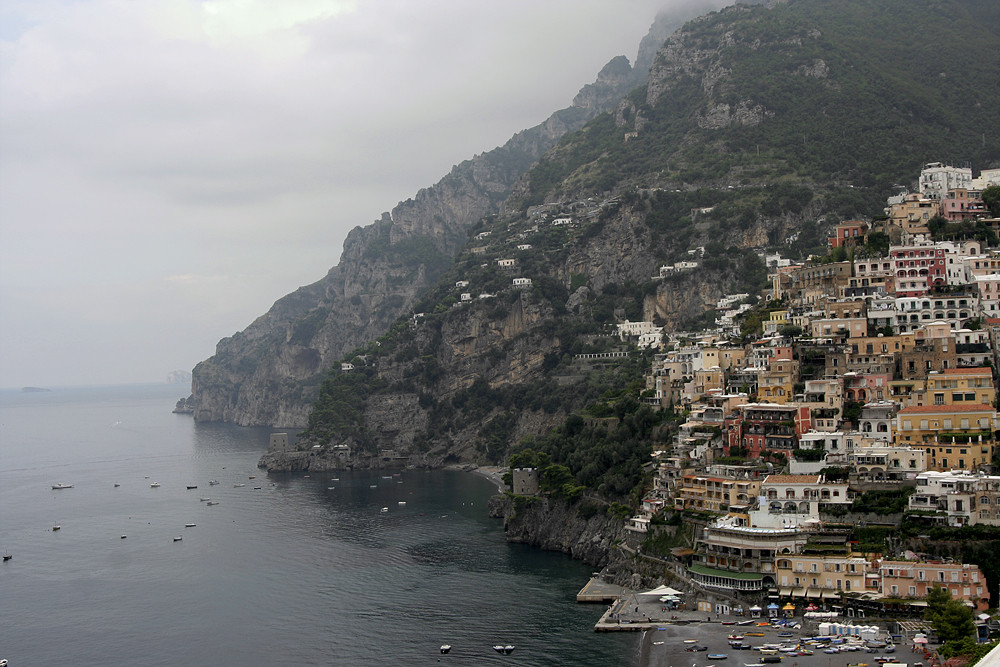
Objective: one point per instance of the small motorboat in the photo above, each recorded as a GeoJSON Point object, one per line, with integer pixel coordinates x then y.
{"type": "Point", "coordinates": [123, 537]}
{"type": "Point", "coordinates": [744, 622]}
{"type": "Point", "coordinates": [56, 527]}
{"type": "Point", "coordinates": [256, 488]}
{"type": "Point", "coordinates": [213, 482]}
{"type": "Point", "coordinates": [735, 637]}
{"type": "Point", "coordinates": [212, 502]}
{"type": "Point", "coordinates": [60, 485]}
{"type": "Point", "coordinates": [154, 485]}
{"type": "Point", "coordinates": [330, 488]}
{"type": "Point", "coordinates": [508, 649]}
{"type": "Point", "coordinates": [117, 485]}
{"type": "Point", "coordinates": [192, 486]}
{"type": "Point", "coordinates": [445, 648]}
{"type": "Point", "coordinates": [252, 477]}
{"type": "Point", "coordinates": [189, 525]}
{"type": "Point", "coordinates": [236, 486]}
{"type": "Point", "coordinates": [178, 538]}
{"type": "Point", "coordinates": [7, 557]}
{"type": "Point", "coordinates": [373, 486]}
{"type": "Point", "coordinates": [401, 503]}
{"type": "Point", "coordinates": [690, 641]}
{"type": "Point", "coordinates": [204, 500]}
{"type": "Point", "coordinates": [385, 509]}
{"type": "Point", "coordinates": [717, 656]}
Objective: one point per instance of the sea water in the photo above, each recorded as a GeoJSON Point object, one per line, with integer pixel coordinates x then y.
{"type": "Point", "coordinates": [328, 569]}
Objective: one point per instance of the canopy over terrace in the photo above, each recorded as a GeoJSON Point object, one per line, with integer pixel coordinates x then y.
{"type": "Point", "coordinates": [663, 590]}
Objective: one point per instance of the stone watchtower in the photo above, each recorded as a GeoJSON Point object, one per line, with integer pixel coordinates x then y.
{"type": "Point", "coordinates": [525, 482]}
{"type": "Point", "coordinates": [278, 443]}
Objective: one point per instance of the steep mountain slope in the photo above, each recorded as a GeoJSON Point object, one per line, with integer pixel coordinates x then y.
{"type": "Point", "coordinates": [269, 373]}
{"type": "Point", "coordinates": [709, 153]}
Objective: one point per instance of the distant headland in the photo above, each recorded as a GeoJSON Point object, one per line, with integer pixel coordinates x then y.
{"type": "Point", "coordinates": [32, 390]}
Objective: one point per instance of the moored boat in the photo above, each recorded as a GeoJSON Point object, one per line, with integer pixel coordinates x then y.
{"type": "Point", "coordinates": [60, 485]}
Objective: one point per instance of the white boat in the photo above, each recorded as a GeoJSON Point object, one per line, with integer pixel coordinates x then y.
{"type": "Point", "coordinates": [213, 482]}
{"type": "Point", "coordinates": [402, 503]}
{"type": "Point", "coordinates": [154, 485]}
{"type": "Point", "coordinates": [508, 649]}
{"type": "Point", "coordinates": [385, 509]}
{"type": "Point", "coordinates": [204, 500]}
{"type": "Point", "coordinates": [236, 486]}
{"type": "Point", "coordinates": [445, 648]}
{"type": "Point", "coordinates": [189, 525]}
{"type": "Point", "coordinates": [56, 527]}
{"type": "Point", "coordinates": [178, 539]}
{"type": "Point", "coordinates": [124, 536]}
{"type": "Point", "coordinates": [60, 485]}
{"type": "Point", "coordinates": [212, 502]}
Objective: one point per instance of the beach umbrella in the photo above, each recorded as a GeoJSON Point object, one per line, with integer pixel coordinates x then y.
{"type": "Point", "coordinates": [920, 640]}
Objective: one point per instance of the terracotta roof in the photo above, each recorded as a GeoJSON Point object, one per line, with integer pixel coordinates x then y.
{"type": "Point", "coordinates": [979, 370]}
{"type": "Point", "coordinates": [792, 479]}
{"type": "Point", "coordinates": [927, 409]}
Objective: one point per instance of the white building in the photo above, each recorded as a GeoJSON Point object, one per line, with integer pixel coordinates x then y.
{"type": "Point", "coordinates": [937, 178]}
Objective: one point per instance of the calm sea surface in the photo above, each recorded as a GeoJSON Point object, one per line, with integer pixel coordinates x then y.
{"type": "Point", "coordinates": [301, 571]}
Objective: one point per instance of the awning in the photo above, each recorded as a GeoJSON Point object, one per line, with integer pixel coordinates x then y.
{"type": "Point", "coordinates": [830, 595]}
{"type": "Point", "coordinates": [785, 592]}
{"type": "Point", "coordinates": [799, 593]}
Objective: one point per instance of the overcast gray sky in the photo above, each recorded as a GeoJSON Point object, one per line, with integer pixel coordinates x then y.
{"type": "Point", "coordinates": [170, 168]}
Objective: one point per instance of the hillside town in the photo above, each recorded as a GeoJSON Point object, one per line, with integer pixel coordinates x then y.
{"type": "Point", "coordinates": [868, 372]}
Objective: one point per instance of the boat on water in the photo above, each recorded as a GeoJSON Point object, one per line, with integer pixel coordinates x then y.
{"type": "Point", "coordinates": [213, 482]}
{"type": "Point", "coordinates": [385, 509]}
{"type": "Point", "coordinates": [7, 557]}
{"type": "Point", "coordinates": [401, 503]}
{"type": "Point", "coordinates": [154, 485]}
{"type": "Point", "coordinates": [236, 486]}
{"type": "Point", "coordinates": [117, 485]}
{"type": "Point", "coordinates": [445, 648]}
{"type": "Point", "coordinates": [192, 486]}
{"type": "Point", "coordinates": [504, 649]}
{"type": "Point", "coordinates": [189, 525]}
{"type": "Point", "coordinates": [60, 485]}
{"type": "Point", "coordinates": [204, 500]}
{"type": "Point", "coordinates": [178, 538]}
{"type": "Point", "coordinates": [123, 537]}
{"type": "Point", "coordinates": [56, 527]}
{"type": "Point", "coordinates": [212, 502]}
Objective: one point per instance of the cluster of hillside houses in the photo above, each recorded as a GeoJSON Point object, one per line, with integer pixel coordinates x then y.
{"type": "Point", "coordinates": [878, 369]}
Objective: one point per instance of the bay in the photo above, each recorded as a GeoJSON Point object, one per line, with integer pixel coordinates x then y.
{"type": "Point", "coordinates": [300, 571]}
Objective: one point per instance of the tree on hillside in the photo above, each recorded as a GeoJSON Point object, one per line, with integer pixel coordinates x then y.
{"type": "Point", "coordinates": [991, 197]}
{"type": "Point", "coordinates": [951, 618]}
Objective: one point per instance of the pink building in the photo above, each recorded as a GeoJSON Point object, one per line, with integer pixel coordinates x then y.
{"type": "Point", "coordinates": [914, 579]}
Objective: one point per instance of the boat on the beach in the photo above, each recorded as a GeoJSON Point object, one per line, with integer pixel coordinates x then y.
{"type": "Point", "coordinates": [744, 622]}
{"type": "Point", "coordinates": [717, 656]}
{"type": "Point", "coordinates": [735, 637]}
{"type": "Point", "coordinates": [60, 485]}
{"type": "Point", "coordinates": [445, 648]}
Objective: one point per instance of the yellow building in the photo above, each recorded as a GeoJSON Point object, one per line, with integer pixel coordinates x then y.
{"type": "Point", "coordinates": [819, 576]}
{"type": "Point", "coordinates": [958, 386]}
{"type": "Point", "coordinates": [954, 436]}
{"type": "Point", "coordinates": [776, 383]}
{"type": "Point", "coordinates": [714, 494]}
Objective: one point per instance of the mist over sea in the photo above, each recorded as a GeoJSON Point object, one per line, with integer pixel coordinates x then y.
{"type": "Point", "coordinates": [292, 573]}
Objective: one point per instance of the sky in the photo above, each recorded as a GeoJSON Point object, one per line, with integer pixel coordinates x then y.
{"type": "Point", "coordinates": [170, 168]}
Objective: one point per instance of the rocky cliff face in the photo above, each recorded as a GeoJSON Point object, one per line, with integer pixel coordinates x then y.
{"type": "Point", "coordinates": [556, 526]}
{"type": "Point", "coordinates": [269, 373]}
